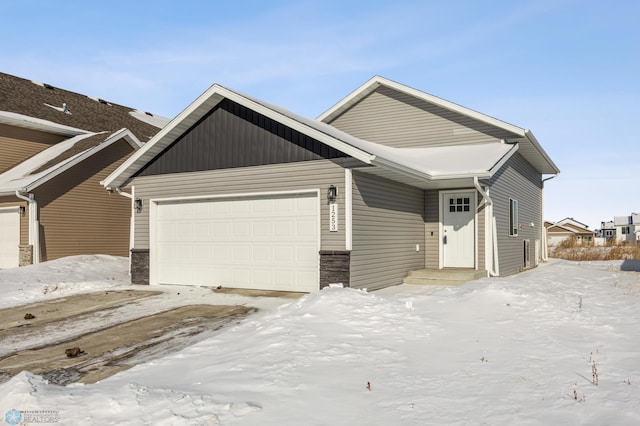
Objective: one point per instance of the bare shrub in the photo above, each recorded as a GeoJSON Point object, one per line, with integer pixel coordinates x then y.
{"type": "Point", "coordinates": [569, 250]}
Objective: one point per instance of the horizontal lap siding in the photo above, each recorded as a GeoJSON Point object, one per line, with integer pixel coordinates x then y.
{"type": "Point", "coordinates": [301, 176]}
{"type": "Point", "coordinates": [396, 119]}
{"type": "Point", "coordinates": [518, 180]}
{"type": "Point", "coordinates": [432, 225]}
{"type": "Point", "coordinates": [388, 222]}
{"type": "Point", "coordinates": [78, 216]}
{"type": "Point", "coordinates": [16, 145]}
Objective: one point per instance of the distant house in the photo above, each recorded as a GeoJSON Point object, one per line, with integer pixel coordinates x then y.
{"type": "Point", "coordinates": [607, 231]}
{"type": "Point", "coordinates": [55, 148]}
{"type": "Point", "coordinates": [627, 227]}
{"type": "Point", "coordinates": [568, 228]}
{"type": "Point", "coordinates": [238, 192]}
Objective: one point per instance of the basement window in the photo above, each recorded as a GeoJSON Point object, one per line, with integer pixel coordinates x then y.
{"type": "Point", "coordinates": [513, 217]}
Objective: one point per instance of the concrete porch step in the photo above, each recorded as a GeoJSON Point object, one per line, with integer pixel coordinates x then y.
{"type": "Point", "coordinates": [448, 276]}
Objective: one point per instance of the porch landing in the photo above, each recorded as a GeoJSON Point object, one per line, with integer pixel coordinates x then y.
{"type": "Point", "coordinates": [447, 276]}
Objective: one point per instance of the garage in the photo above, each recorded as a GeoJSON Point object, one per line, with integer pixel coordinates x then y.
{"type": "Point", "coordinates": [268, 242]}
{"type": "Point", "coordinates": [9, 237]}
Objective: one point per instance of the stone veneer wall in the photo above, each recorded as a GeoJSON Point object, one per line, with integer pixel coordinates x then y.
{"type": "Point", "coordinates": [26, 255]}
{"type": "Point", "coordinates": [335, 267]}
{"type": "Point", "coordinates": [140, 266]}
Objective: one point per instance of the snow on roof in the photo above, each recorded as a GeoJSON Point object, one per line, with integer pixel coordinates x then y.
{"type": "Point", "coordinates": [57, 158]}
{"type": "Point", "coordinates": [147, 117]}
{"type": "Point", "coordinates": [21, 176]}
{"type": "Point", "coordinates": [26, 121]}
{"type": "Point", "coordinates": [428, 163]}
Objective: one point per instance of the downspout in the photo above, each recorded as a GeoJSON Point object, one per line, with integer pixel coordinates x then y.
{"type": "Point", "coordinates": [494, 269]}
{"type": "Point", "coordinates": [34, 225]}
{"type": "Point", "coordinates": [545, 245]}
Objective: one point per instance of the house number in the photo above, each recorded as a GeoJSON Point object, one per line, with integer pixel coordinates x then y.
{"type": "Point", "coordinates": [333, 217]}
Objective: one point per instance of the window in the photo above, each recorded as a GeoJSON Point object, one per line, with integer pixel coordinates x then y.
{"type": "Point", "coordinates": [625, 230]}
{"type": "Point", "coordinates": [513, 217]}
{"type": "Point", "coordinates": [459, 204]}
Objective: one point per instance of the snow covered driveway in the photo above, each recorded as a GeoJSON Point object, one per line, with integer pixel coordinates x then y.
{"type": "Point", "coordinates": [555, 345]}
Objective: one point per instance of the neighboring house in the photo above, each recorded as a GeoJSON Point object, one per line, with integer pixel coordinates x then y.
{"type": "Point", "coordinates": [240, 193]}
{"type": "Point", "coordinates": [607, 231]}
{"type": "Point", "coordinates": [55, 148]}
{"type": "Point", "coordinates": [627, 227]}
{"type": "Point", "coordinates": [568, 228]}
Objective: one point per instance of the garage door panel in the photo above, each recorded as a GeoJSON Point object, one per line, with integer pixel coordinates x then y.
{"type": "Point", "coordinates": [265, 243]}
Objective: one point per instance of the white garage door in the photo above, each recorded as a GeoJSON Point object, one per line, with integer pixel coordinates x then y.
{"type": "Point", "coordinates": [9, 237]}
{"type": "Point", "coordinates": [268, 243]}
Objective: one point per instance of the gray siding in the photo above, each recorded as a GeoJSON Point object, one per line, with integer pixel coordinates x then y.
{"type": "Point", "coordinates": [432, 229]}
{"type": "Point", "coordinates": [280, 177]}
{"type": "Point", "coordinates": [518, 180]}
{"type": "Point", "coordinates": [400, 120]}
{"type": "Point", "coordinates": [388, 222]}
{"type": "Point", "coordinates": [232, 135]}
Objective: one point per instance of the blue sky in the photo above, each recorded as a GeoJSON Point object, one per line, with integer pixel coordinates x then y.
{"type": "Point", "coordinates": [567, 70]}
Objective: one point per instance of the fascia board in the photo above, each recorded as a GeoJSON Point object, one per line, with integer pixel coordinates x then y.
{"type": "Point", "coordinates": [27, 122]}
{"type": "Point", "coordinates": [534, 142]}
{"type": "Point", "coordinates": [167, 134]}
{"type": "Point", "coordinates": [350, 99]}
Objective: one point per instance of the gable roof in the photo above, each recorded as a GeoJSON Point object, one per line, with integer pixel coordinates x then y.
{"type": "Point", "coordinates": [29, 104]}
{"type": "Point", "coordinates": [568, 225]}
{"type": "Point", "coordinates": [54, 160]}
{"type": "Point", "coordinates": [395, 163]}
{"type": "Point", "coordinates": [530, 147]}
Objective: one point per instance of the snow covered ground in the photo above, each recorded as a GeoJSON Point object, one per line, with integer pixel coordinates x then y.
{"type": "Point", "coordinates": [523, 350]}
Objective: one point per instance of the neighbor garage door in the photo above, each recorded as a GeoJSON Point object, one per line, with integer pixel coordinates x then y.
{"type": "Point", "coordinates": [9, 237]}
{"type": "Point", "coordinates": [268, 243]}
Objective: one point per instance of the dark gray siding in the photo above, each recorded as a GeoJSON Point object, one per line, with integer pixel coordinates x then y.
{"type": "Point", "coordinates": [231, 136]}
{"type": "Point", "coordinates": [400, 120]}
{"type": "Point", "coordinates": [518, 180]}
{"type": "Point", "coordinates": [388, 222]}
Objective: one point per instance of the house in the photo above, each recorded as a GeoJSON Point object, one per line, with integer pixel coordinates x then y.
{"type": "Point", "coordinates": [627, 227]}
{"type": "Point", "coordinates": [568, 228]}
{"type": "Point", "coordinates": [55, 148]}
{"type": "Point", "coordinates": [607, 231]}
{"type": "Point", "coordinates": [241, 193]}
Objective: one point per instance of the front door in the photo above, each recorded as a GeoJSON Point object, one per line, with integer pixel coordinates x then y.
{"type": "Point", "coordinates": [458, 229]}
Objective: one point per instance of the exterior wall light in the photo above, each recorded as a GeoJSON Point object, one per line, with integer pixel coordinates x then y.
{"type": "Point", "coordinates": [332, 194]}
{"type": "Point", "coordinates": [22, 210]}
{"type": "Point", "coordinates": [137, 204]}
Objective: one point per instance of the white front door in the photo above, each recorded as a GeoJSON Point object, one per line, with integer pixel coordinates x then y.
{"type": "Point", "coordinates": [9, 237]}
{"type": "Point", "coordinates": [458, 229]}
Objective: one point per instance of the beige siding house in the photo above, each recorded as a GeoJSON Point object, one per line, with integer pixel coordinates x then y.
{"type": "Point", "coordinates": [55, 148]}
{"type": "Point", "coordinates": [391, 181]}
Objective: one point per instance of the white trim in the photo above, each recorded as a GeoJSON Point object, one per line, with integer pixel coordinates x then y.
{"type": "Point", "coordinates": [378, 81]}
{"type": "Point", "coordinates": [155, 202]}
{"type": "Point", "coordinates": [348, 209]}
{"type": "Point", "coordinates": [441, 195]}
{"type": "Point", "coordinates": [8, 209]}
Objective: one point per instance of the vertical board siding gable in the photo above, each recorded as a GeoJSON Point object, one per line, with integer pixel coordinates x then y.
{"type": "Point", "coordinates": [232, 136]}
{"type": "Point", "coordinates": [397, 119]}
